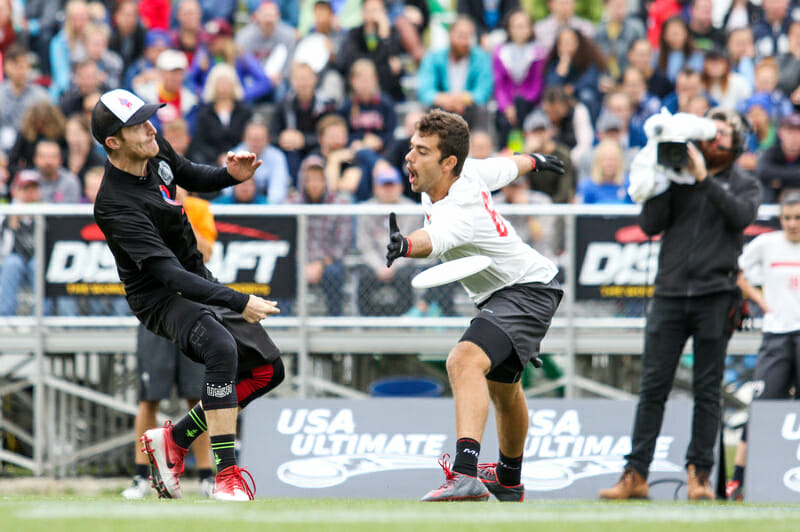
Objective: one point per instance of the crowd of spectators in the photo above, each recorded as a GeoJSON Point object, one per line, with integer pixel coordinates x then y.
{"type": "Point", "coordinates": [332, 87]}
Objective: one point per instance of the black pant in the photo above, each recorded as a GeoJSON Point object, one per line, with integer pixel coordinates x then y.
{"type": "Point", "coordinates": [670, 322]}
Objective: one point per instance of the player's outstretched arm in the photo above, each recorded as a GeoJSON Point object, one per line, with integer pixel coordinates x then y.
{"type": "Point", "coordinates": [538, 162]}
{"type": "Point", "coordinates": [242, 165]}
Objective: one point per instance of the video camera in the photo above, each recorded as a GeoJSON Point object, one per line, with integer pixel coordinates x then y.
{"type": "Point", "coordinates": [673, 132]}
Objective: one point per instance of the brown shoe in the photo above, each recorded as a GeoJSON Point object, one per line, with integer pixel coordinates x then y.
{"type": "Point", "coordinates": [631, 485]}
{"type": "Point", "coordinates": [699, 488]}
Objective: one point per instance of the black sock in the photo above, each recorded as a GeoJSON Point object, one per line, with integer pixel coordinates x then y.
{"type": "Point", "coordinates": [203, 474]}
{"type": "Point", "coordinates": [509, 470]}
{"type": "Point", "coordinates": [738, 473]}
{"type": "Point", "coordinates": [466, 462]}
{"type": "Point", "coordinates": [141, 470]}
{"type": "Point", "coordinates": [223, 449]}
{"type": "Point", "coordinates": [192, 425]}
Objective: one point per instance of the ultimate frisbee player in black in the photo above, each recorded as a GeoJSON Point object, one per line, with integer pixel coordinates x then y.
{"type": "Point", "coordinates": [173, 294]}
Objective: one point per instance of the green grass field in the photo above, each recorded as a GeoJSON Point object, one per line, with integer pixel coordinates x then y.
{"type": "Point", "coordinates": [88, 514]}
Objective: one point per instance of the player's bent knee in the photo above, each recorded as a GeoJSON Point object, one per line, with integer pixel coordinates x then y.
{"type": "Point", "coordinates": [467, 356]}
{"type": "Point", "coordinates": [211, 342]}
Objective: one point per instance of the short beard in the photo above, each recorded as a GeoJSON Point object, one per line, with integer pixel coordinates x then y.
{"type": "Point", "coordinates": [716, 158]}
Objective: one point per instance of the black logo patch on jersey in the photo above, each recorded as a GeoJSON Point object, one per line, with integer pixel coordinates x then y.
{"type": "Point", "coordinates": [165, 172]}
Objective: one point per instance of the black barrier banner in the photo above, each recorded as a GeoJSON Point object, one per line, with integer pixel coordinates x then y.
{"type": "Point", "coordinates": [375, 449]}
{"type": "Point", "coordinates": [773, 452]}
{"type": "Point", "coordinates": [615, 259]}
{"type": "Point", "coordinates": [254, 255]}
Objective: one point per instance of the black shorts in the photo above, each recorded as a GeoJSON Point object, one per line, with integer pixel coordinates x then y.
{"type": "Point", "coordinates": [162, 365]}
{"type": "Point", "coordinates": [173, 319]}
{"type": "Point", "coordinates": [778, 366]}
{"type": "Point", "coordinates": [511, 324]}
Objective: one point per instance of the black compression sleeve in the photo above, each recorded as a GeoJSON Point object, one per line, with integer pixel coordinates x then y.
{"type": "Point", "coordinates": [170, 272]}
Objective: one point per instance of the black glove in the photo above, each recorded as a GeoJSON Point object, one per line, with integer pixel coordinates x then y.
{"type": "Point", "coordinates": [398, 244]}
{"type": "Point", "coordinates": [543, 163]}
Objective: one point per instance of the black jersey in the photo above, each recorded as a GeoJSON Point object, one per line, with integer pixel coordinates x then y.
{"type": "Point", "coordinates": [141, 220]}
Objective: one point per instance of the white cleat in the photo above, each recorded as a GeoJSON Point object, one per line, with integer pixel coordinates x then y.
{"type": "Point", "coordinates": [230, 485]}
{"type": "Point", "coordinates": [166, 461]}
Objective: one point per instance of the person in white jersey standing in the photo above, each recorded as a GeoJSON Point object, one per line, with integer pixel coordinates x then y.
{"type": "Point", "coordinates": [517, 296]}
{"type": "Point", "coordinates": [773, 261]}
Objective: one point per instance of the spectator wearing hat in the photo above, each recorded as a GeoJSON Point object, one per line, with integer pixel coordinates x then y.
{"type": "Point", "coordinates": [170, 89]}
{"type": "Point", "coordinates": [127, 32]}
{"type": "Point", "coordinates": [221, 117]}
{"type": "Point", "coordinates": [540, 138]}
{"type": "Point", "coordinates": [17, 93]}
{"type": "Point", "coordinates": [221, 48]}
{"type": "Point", "coordinates": [144, 68]}
{"type": "Point", "coordinates": [763, 135]}
{"type": "Point", "coordinates": [270, 40]}
{"type": "Point", "coordinates": [18, 266]}
{"type": "Point", "coordinates": [188, 33]}
{"type": "Point", "coordinates": [383, 291]}
{"type": "Point", "coordinates": [329, 237]}
{"type": "Point", "coordinates": [779, 166]}
{"type": "Point", "coordinates": [722, 84]}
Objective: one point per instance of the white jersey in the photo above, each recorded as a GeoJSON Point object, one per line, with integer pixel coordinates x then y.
{"type": "Point", "coordinates": [773, 262]}
{"type": "Point", "coordinates": [464, 223]}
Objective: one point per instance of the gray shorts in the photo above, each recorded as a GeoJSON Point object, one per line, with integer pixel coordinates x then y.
{"type": "Point", "coordinates": [522, 312]}
{"type": "Point", "coordinates": [162, 365]}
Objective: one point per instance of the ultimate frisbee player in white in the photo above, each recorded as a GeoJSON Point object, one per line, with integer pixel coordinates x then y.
{"type": "Point", "coordinates": [517, 295]}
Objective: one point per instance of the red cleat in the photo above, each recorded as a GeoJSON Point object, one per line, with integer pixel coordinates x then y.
{"type": "Point", "coordinates": [231, 486]}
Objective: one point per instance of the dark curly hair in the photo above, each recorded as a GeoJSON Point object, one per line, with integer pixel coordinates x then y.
{"type": "Point", "coordinates": [453, 133]}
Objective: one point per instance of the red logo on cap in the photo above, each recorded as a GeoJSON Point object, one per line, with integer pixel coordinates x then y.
{"type": "Point", "coordinates": [125, 103]}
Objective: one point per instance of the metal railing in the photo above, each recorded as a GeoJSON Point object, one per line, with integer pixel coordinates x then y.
{"type": "Point", "coordinates": [27, 342]}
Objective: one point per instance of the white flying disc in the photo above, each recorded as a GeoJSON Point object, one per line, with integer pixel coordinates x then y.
{"type": "Point", "coordinates": [452, 270]}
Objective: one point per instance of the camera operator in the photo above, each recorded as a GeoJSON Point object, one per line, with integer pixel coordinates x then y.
{"type": "Point", "coordinates": [702, 219]}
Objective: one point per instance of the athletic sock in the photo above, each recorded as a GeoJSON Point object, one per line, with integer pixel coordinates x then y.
{"type": "Point", "coordinates": [192, 425]}
{"type": "Point", "coordinates": [141, 470]}
{"type": "Point", "coordinates": [738, 473]}
{"type": "Point", "coordinates": [467, 452]}
{"type": "Point", "coordinates": [223, 449]}
{"type": "Point", "coordinates": [509, 470]}
{"type": "Point", "coordinates": [203, 474]}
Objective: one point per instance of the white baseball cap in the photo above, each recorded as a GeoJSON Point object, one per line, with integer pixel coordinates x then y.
{"type": "Point", "coordinates": [172, 60]}
{"type": "Point", "coordinates": [117, 109]}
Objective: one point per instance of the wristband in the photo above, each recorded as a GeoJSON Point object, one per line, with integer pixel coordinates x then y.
{"type": "Point", "coordinates": [408, 251]}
